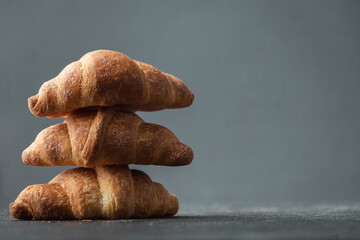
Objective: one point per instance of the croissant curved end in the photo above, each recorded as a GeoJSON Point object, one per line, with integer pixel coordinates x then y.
{"type": "Point", "coordinates": [30, 157]}
{"type": "Point", "coordinates": [192, 98]}
{"type": "Point", "coordinates": [181, 155]}
{"type": "Point", "coordinates": [25, 156]}
{"type": "Point", "coordinates": [175, 203]}
{"type": "Point", "coordinates": [32, 102]}
{"type": "Point", "coordinates": [20, 211]}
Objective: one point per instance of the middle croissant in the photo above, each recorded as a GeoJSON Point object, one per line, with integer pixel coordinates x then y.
{"type": "Point", "coordinates": [106, 136]}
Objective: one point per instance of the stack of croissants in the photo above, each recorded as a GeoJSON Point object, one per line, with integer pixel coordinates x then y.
{"type": "Point", "coordinates": [98, 95]}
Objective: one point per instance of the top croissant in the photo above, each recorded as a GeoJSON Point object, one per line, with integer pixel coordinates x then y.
{"type": "Point", "coordinates": [107, 78]}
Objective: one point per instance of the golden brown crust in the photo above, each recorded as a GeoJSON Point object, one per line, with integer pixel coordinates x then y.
{"type": "Point", "coordinates": [149, 195]}
{"type": "Point", "coordinates": [42, 201]}
{"type": "Point", "coordinates": [104, 192]}
{"type": "Point", "coordinates": [106, 136]}
{"type": "Point", "coordinates": [107, 78]}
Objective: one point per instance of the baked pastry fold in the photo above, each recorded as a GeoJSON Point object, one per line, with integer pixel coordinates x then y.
{"type": "Point", "coordinates": [108, 78]}
{"type": "Point", "coordinates": [106, 136]}
{"type": "Point", "coordinates": [104, 192]}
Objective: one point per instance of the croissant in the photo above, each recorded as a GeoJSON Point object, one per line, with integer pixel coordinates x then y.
{"type": "Point", "coordinates": [107, 78]}
{"type": "Point", "coordinates": [104, 192]}
{"type": "Point", "coordinates": [106, 136]}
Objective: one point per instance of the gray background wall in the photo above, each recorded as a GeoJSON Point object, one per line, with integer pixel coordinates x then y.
{"type": "Point", "coordinates": [276, 115]}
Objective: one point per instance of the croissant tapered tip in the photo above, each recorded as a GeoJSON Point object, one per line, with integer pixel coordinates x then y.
{"type": "Point", "coordinates": [32, 103]}
{"type": "Point", "coordinates": [192, 98]}
{"type": "Point", "coordinates": [174, 202]}
{"type": "Point", "coordinates": [30, 157]}
{"type": "Point", "coordinates": [181, 154]}
{"type": "Point", "coordinates": [25, 156]}
{"type": "Point", "coordinates": [20, 211]}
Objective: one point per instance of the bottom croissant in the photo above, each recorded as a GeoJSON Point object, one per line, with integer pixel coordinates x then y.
{"type": "Point", "coordinates": [103, 192]}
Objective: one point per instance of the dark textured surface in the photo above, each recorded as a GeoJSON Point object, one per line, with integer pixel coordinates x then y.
{"type": "Point", "coordinates": [326, 222]}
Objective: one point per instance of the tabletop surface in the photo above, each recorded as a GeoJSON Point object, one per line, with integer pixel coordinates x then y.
{"type": "Point", "coordinates": [202, 222]}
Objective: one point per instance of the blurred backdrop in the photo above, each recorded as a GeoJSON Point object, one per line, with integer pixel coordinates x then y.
{"type": "Point", "coordinates": [276, 117]}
